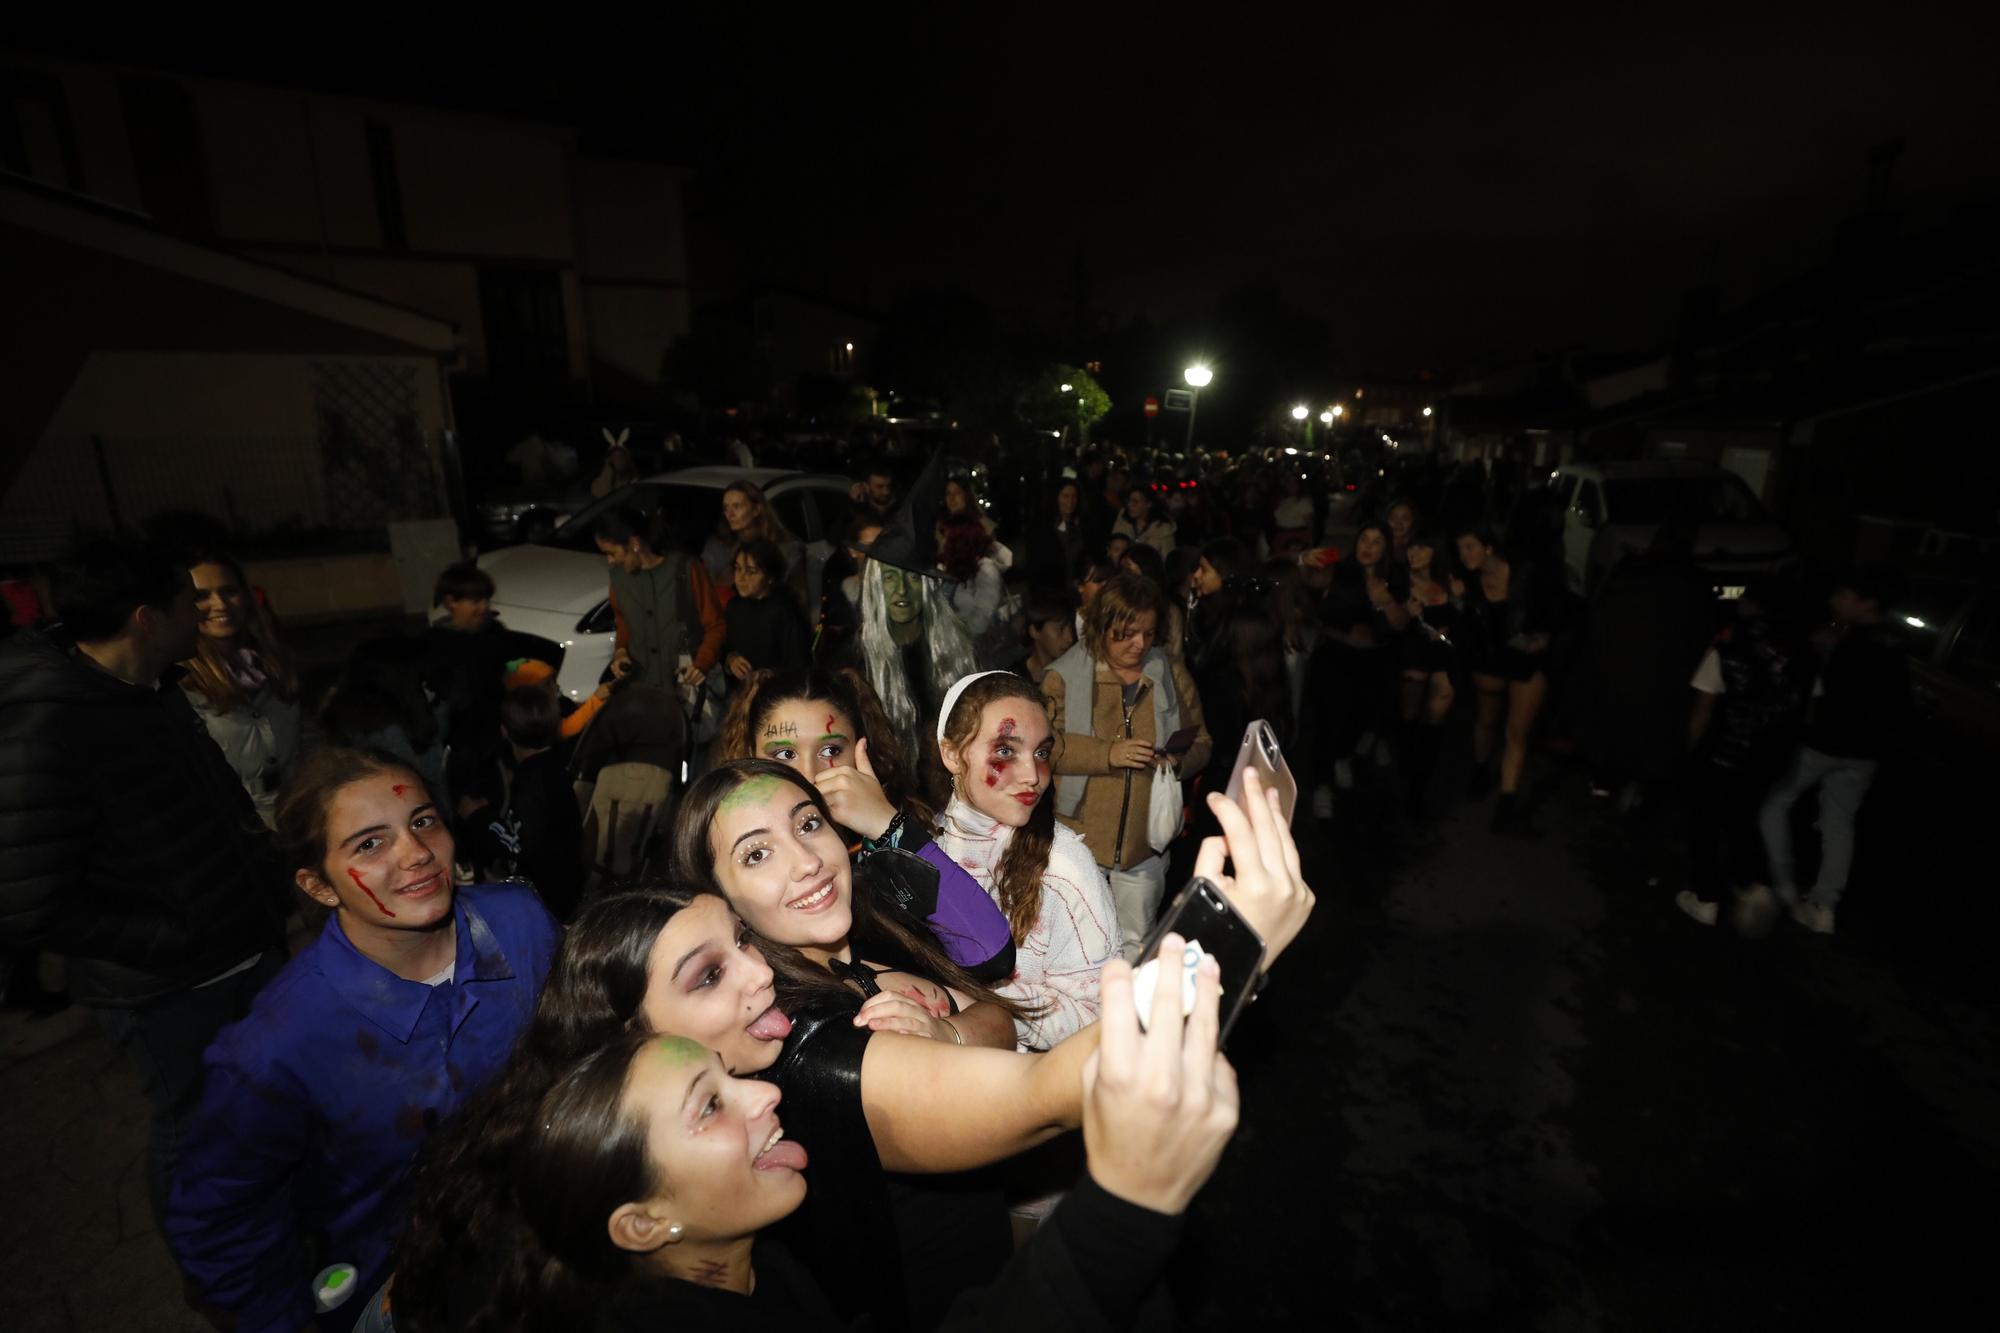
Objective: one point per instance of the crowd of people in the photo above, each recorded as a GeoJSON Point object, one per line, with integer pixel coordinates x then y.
{"type": "Point", "coordinates": [752, 989]}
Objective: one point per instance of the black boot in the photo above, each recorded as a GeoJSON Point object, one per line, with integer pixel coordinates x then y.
{"type": "Point", "coordinates": [1510, 817]}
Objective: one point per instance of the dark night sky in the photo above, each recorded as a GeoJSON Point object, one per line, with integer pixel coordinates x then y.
{"type": "Point", "coordinates": [1438, 189]}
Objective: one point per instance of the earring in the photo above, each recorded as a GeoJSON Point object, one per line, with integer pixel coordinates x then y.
{"type": "Point", "coordinates": [674, 1231]}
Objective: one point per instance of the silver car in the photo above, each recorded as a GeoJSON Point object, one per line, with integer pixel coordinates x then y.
{"type": "Point", "coordinates": [559, 588]}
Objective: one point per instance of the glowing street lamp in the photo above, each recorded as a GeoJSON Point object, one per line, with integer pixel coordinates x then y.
{"type": "Point", "coordinates": [1427, 411]}
{"type": "Point", "coordinates": [1300, 412]}
{"type": "Point", "coordinates": [1326, 418]}
{"type": "Point", "coordinates": [1198, 377]}
{"type": "Point", "coordinates": [1339, 410]}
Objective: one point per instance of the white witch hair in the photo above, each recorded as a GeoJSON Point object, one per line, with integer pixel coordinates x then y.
{"type": "Point", "coordinates": [949, 649]}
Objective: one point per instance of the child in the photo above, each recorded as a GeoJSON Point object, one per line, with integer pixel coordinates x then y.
{"type": "Point", "coordinates": [766, 631]}
{"type": "Point", "coordinates": [465, 659]}
{"type": "Point", "coordinates": [1051, 630]}
{"type": "Point", "coordinates": [536, 832]}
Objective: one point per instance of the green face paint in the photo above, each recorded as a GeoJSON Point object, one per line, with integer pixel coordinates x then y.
{"type": "Point", "coordinates": [681, 1051]}
{"type": "Point", "coordinates": [752, 792]}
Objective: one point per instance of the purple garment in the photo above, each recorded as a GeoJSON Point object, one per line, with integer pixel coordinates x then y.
{"type": "Point", "coordinates": [967, 922]}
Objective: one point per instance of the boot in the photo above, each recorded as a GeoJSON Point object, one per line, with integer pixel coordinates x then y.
{"type": "Point", "coordinates": [1510, 817]}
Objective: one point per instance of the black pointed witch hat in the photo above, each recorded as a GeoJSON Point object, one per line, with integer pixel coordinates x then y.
{"type": "Point", "coordinates": [908, 539]}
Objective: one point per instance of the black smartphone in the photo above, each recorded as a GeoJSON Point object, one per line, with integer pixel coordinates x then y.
{"type": "Point", "coordinates": [1204, 918]}
{"type": "Point", "coordinates": [1180, 742]}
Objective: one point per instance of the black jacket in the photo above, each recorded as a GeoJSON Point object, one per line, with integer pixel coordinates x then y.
{"type": "Point", "coordinates": [126, 842]}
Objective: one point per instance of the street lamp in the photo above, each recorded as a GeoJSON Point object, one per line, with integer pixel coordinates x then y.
{"type": "Point", "coordinates": [1198, 377]}
{"type": "Point", "coordinates": [1339, 411]}
{"type": "Point", "coordinates": [1065, 389]}
{"type": "Point", "coordinates": [1427, 411]}
{"type": "Point", "coordinates": [1326, 418]}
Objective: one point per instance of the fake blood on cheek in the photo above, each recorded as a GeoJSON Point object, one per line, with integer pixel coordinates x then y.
{"type": "Point", "coordinates": [355, 875]}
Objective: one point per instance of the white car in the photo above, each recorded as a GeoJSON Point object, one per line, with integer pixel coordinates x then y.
{"type": "Point", "coordinates": [560, 588]}
{"type": "Point", "coordinates": [1611, 510]}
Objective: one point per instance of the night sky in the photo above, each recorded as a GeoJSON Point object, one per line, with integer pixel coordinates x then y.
{"type": "Point", "coordinates": [1441, 191]}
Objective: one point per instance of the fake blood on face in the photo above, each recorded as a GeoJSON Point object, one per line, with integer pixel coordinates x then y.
{"type": "Point", "coordinates": [355, 875]}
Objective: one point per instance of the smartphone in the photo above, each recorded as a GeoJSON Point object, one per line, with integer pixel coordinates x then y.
{"type": "Point", "coordinates": [1202, 917]}
{"type": "Point", "coordinates": [1260, 750]}
{"type": "Point", "coordinates": [1180, 742]}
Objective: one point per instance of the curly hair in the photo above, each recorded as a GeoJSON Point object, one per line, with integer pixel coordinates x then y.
{"type": "Point", "coordinates": [844, 689]}
{"type": "Point", "coordinates": [1019, 876]}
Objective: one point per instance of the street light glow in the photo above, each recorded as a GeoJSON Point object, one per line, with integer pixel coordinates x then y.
{"type": "Point", "coordinates": [1326, 418]}
{"type": "Point", "coordinates": [1198, 377]}
{"type": "Point", "coordinates": [1299, 413]}
{"type": "Point", "coordinates": [1339, 411]}
{"type": "Point", "coordinates": [1065, 388]}
{"type": "Point", "coordinates": [850, 347]}
{"type": "Point", "coordinates": [1427, 411]}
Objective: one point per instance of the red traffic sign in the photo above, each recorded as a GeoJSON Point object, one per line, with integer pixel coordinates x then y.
{"type": "Point", "coordinates": [1152, 407]}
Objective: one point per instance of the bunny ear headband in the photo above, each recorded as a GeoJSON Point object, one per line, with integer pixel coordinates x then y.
{"type": "Point", "coordinates": [617, 441]}
{"type": "Point", "coordinates": [951, 696]}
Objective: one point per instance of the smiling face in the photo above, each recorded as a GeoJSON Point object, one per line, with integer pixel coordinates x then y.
{"type": "Point", "coordinates": [389, 855]}
{"type": "Point", "coordinates": [706, 979]}
{"type": "Point", "coordinates": [715, 1144]}
{"type": "Point", "coordinates": [220, 601]}
{"type": "Point", "coordinates": [1004, 770]}
{"type": "Point", "coordinates": [899, 590]}
{"type": "Point", "coordinates": [808, 735]}
{"type": "Point", "coordinates": [782, 866]}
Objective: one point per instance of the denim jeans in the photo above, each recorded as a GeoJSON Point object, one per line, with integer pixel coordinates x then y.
{"type": "Point", "coordinates": [1843, 784]}
{"type": "Point", "coordinates": [165, 1039]}
{"type": "Point", "coordinates": [1136, 893]}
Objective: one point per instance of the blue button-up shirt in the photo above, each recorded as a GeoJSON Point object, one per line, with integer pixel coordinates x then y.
{"type": "Point", "coordinates": [314, 1105]}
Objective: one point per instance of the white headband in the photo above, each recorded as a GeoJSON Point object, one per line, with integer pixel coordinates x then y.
{"type": "Point", "coordinates": [951, 695]}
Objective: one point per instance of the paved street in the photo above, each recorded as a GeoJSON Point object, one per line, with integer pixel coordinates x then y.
{"type": "Point", "coordinates": [1498, 1084]}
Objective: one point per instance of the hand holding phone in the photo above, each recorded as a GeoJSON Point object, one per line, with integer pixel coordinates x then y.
{"type": "Point", "coordinates": [1260, 750]}
{"type": "Point", "coordinates": [1264, 883]}
{"type": "Point", "coordinates": [1202, 920]}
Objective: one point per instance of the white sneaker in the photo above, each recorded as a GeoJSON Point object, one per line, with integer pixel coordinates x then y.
{"type": "Point", "coordinates": [1695, 907]}
{"type": "Point", "coordinates": [1814, 917]}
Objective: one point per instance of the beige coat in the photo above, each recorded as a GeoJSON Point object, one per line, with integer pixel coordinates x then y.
{"type": "Point", "coordinates": [1117, 798]}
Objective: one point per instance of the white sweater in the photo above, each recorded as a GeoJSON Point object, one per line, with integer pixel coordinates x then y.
{"type": "Point", "coordinates": [1056, 967]}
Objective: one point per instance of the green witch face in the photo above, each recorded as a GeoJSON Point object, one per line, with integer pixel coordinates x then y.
{"type": "Point", "coordinates": [899, 593]}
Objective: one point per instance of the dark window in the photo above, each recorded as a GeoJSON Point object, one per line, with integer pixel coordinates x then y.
{"type": "Point", "coordinates": [1715, 499]}
{"type": "Point", "coordinates": [791, 507]}
{"type": "Point", "coordinates": [527, 334]}
{"type": "Point", "coordinates": [36, 138]}
{"type": "Point", "coordinates": [164, 128]}
{"type": "Point", "coordinates": [388, 187]}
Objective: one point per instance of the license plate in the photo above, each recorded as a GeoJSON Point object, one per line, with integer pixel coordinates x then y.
{"type": "Point", "coordinates": [1731, 593]}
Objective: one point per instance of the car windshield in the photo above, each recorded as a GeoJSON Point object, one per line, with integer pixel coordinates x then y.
{"type": "Point", "coordinates": [1714, 499]}
{"type": "Point", "coordinates": [692, 514]}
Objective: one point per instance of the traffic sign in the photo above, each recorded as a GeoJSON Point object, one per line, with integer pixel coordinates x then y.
{"type": "Point", "coordinates": [1152, 407]}
{"type": "Point", "coordinates": [1179, 400]}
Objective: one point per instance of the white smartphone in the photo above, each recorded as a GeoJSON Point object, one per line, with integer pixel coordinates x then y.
{"type": "Point", "coordinates": [1260, 750]}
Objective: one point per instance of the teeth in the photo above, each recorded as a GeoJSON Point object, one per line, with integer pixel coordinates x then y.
{"type": "Point", "coordinates": [813, 899]}
{"type": "Point", "coordinates": [772, 1142]}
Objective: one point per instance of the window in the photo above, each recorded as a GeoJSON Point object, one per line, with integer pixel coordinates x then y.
{"type": "Point", "coordinates": [1721, 498]}
{"type": "Point", "coordinates": [164, 129]}
{"type": "Point", "coordinates": [527, 328]}
{"type": "Point", "coordinates": [388, 187]}
{"type": "Point", "coordinates": [791, 507]}
{"type": "Point", "coordinates": [1565, 488]}
{"type": "Point", "coordinates": [36, 138]}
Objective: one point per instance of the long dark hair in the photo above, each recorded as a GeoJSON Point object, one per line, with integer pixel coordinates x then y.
{"type": "Point", "coordinates": [583, 1157]}
{"type": "Point", "coordinates": [1019, 875]}
{"type": "Point", "coordinates": [799, 979]}
{"type": "Point", "coordinates": [845, 689]}
{"type": "Point", "coordinates": [383, 688]}
{"type": "Point", "coordinates": [466, 1211]}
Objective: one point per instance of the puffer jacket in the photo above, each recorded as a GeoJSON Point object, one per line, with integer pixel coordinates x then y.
{"type": "Point", "coordinates": [126, 841]}
{"type": "Point", "coordinates": [1112, 818]}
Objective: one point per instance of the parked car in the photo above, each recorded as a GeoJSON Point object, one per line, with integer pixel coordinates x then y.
{"type": "Point", "coordinates": [1952, 628]}
{"type": "Point", "coordinates": [1611, 510]}
{"type": "Point", "coordinates": [559, 587]}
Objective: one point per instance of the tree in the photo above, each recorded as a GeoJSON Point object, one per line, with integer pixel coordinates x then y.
{"type": "Point", "coordinates": [1062, 398]}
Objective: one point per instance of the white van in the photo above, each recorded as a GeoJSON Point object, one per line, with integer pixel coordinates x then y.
{"type": "Point", "coordinates": [1611, 510]}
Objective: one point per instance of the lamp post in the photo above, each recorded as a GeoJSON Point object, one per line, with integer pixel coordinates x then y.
{"type": "Point", "coordinates": [1198, 378]}
{"type": "Point", "coordinates": [1302, 414]}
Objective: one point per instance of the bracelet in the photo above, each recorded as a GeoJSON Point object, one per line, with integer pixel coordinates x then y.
{"type": "Point", "coordinates": [956, 1035]}
{"type": "Point", "coordinates": [892, 836]}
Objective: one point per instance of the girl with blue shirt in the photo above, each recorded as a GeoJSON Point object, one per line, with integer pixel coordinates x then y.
{"type": "Point", "coordinates": [315, 1104]}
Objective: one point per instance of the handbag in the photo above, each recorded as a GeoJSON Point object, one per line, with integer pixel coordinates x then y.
{"type": "Point", "coordinates": [1163, 818]}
